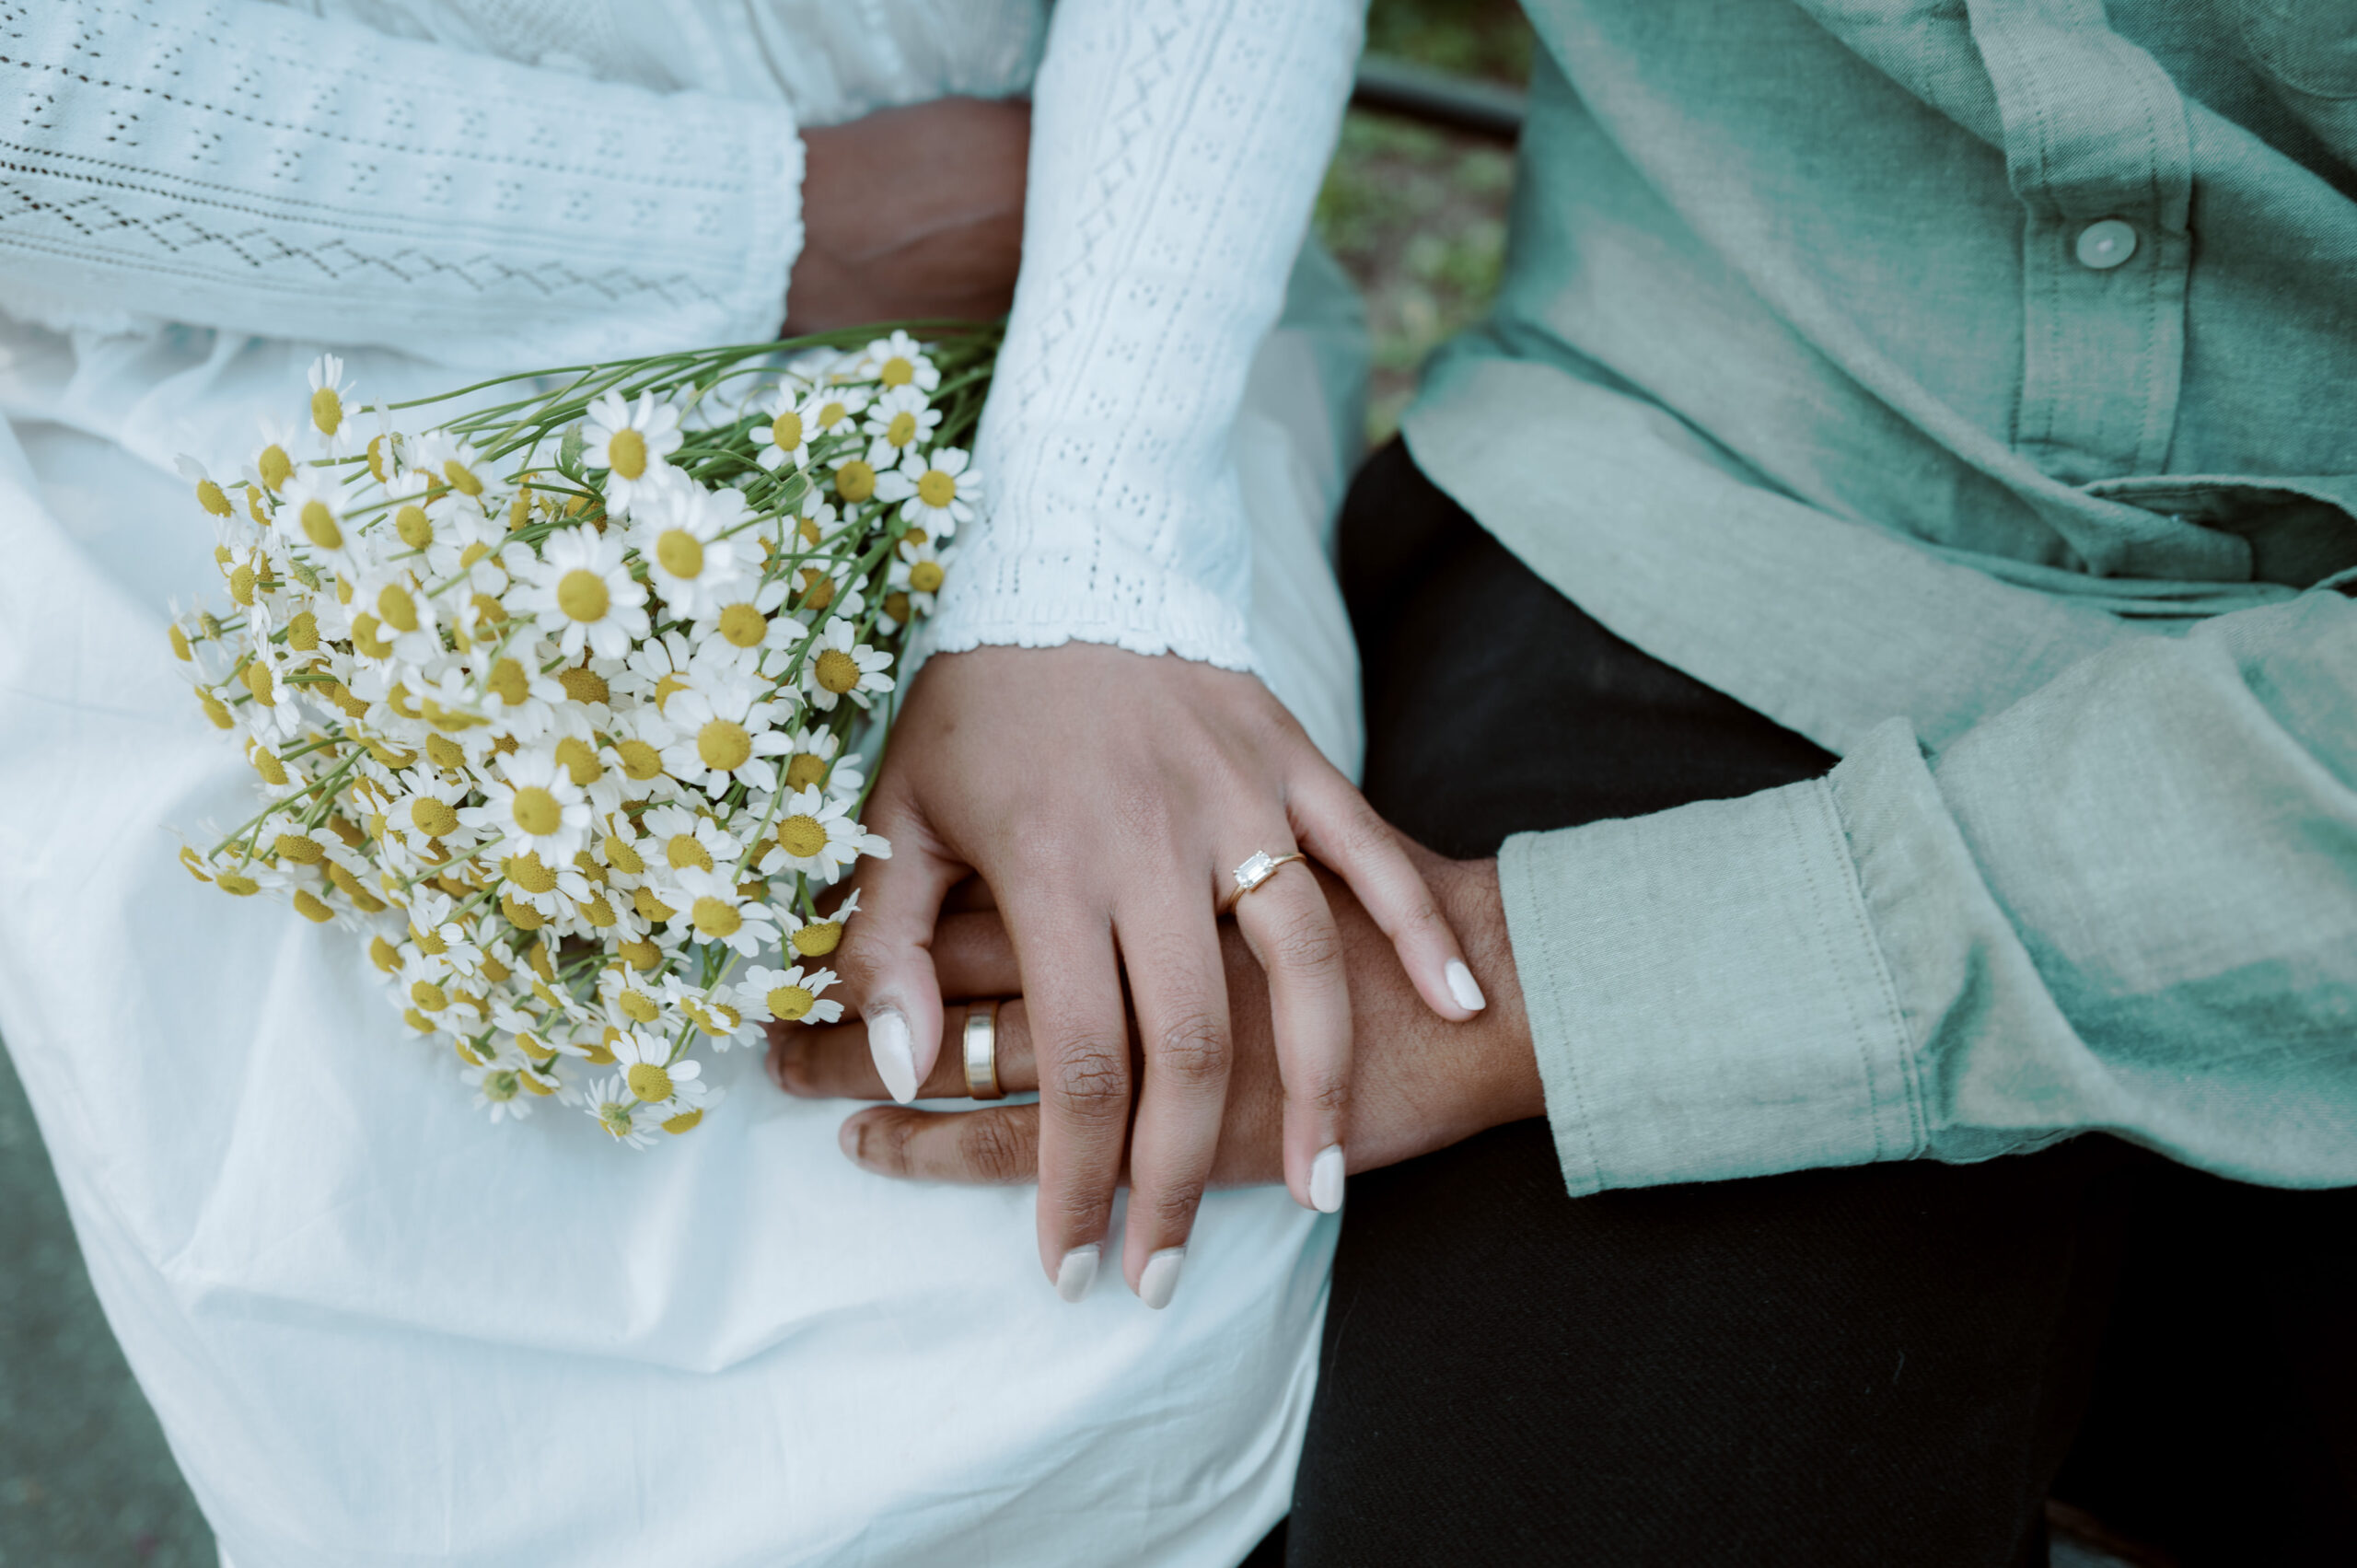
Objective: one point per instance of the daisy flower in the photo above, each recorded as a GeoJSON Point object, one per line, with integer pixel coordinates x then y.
{"type": "Point", "coordinates": [498, 1088]}
{"type": "Point", "coordinates": [314, 506]}
{"type": "Point", "coordinates": [716, 1012]}
{"type": "Point", "coordinates": [792, 995]}
{"type": "Point", "coordinates": [834, 411]}
{"type": "Point", "coordinates": [612, 1105]}
{"type": "Point", "coordinates": [428, 812]}
{"type": "Point", "coordinates": [209, 495]}
{"type": "Point", "coordinates": [532, 808]}
{"type": "Point", "coordinates": [683, 839]}
{"type": "Point", "coordinates": [744, 621]}
{"type": "Point", "coordinates": [451, 460]}
{"type": "Point", "coordinates": [583, 595]}
{"type": "Point", "coordinates": [684, 535]}
{"type": "Point", "coordinates": [899, 361]}
{"type": "Point", "coordinates": [653, 1079]}
{"type": "Point", "coordinates": [793, 420]}
{"type": "Point", "coordinates": [726, 736]}
{"type": "Point", "coordinates": [899, 421]}
{"type": "Point", "coordinates": [839, 665]}
{"type": "Point", "coordinates": [919, 573]}
{"type": "Point", "coordinates": [556, 889]}
{"type": "Point", "coordinates": [404, 614]}
{"type": "Point", "coordinates": [712, 907]}
{"type": "Point", "coordinates": [816, 836]}
{"type": "Point", "coordinates": [933, 489]}
{"type": "Point", "coordinates": [630, 444]}
{"type": "Point", "coordinates": [329, 392]}
{"type": "Point", "coordinates": [818, 759]}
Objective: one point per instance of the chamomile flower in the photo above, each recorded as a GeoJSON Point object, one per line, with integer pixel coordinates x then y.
{"type": "Point", "coordinates": [919, 573]}
{"type": "Point", "coordinates": [582, 594]}
{"type": "Point", "coordinates": [312, 511]}
{"type": "Point", "coordinates": [784, 440]}
{"type": "Point", "coordinates": [834, 412]}
{"type": "Point", "coordinates": [427, 813]}
{"type": "Point", "coordinates": [789, 996]}
{"type": "Point", "coordinates": [839, 665]}
{"type": "Point", "coordinates": [715, 910]}
{"type": "Point", "coordinates": [816, 835]}
{"type": "Point", "coordinates": [715, 1010]}
{"type": "Point", "coordinates": [330, 394]}
{"type": "Point", "coordinates": [533, 806]}
{"type": "Point", "coordinates": [209, 493]}
{"type": "Point", "coordinates": [900, 360]}
{"type": "Point", "coordinates": [452, 463]}
{"type": "Point", "coordinates": [933, 489]}
{"type": "Point", "coordinates": [612, 1106]}
{"type": "Point", "coordinates": [898, 425]}
{"type": "Point", "coordinates": [726, 736]}
{"type": "Point", "coordinates": [817, 759]}
{"type": "Point", "coordinates": [682, 840]}
{"type": "Point", "coordinates": [748, 621]}
{"type": "Point", "coordinates": [629, 443]}
{"type": "Point", "coordinates": [499, 1088]}
{"type": "Point", "coordinates": [695, 557]}
{"type": "Point", "coordinates": [652, 1078]}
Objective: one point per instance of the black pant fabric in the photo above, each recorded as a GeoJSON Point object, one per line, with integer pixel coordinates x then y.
{"type": "Point", "coordinates": [1879, 1365]}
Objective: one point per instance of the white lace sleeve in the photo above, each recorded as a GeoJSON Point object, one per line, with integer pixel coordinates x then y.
{"type": "Point", "coordinates": [243, 166]}
{"type": "Point", "coordinates": [1177, 147]}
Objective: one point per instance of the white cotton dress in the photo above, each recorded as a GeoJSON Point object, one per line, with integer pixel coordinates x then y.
{"type": "Point", "coordinates": [378, 1330]}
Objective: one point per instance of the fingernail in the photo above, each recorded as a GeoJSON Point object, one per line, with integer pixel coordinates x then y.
{"type": "Point", "coordinates": [1461, 986]}
{"type": "Point", "coordinates": [1326, 1179]}
{"type": "Point", "coordinates": [1159, 1282]}
{"type": "Point", "coordinates": [888, 1044]}
{"type": "Point", "coordinates": [848, 1136]}
{"type": "Point", "coordinates": [1077, 1272]}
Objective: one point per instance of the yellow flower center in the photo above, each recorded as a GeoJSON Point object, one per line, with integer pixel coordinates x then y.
{"type": "Point", "coordinates": [582, 595]}
{"type": "Point", "coordinates": [896, 372]}
{"type": "Point", "coordinates": [384, 955]}
{"type": "Point", "coordinates": [817, 941]}
{"type": "Point", "coordinates": [428, 942]}
{"type": "Point", "coordinates": [666, 689]}
{"type": "Point", "coordinates": [790, 1002]}
{"type": "Point", "coordinates": [786, 431]}
{"type": "Point", "coordinates": [680, 552]}
{"type": "Point", "coordinates": [585, 685]}
{"type": "Point", "coordinates": [181, 650]}
{"type": "Point", "coordinates": [936, 488]}
{"type": "Point", "coordinates": [903, 430]}
{"type": "Point", "coordinates": [300, 848]}
{"type": "Point", "coordinates": [509, 682]}
{"type": "Point", "coordinates": [649, 1082]}
{"type": "Point", "coordinates": [303, 633]}
{"type": "Point", "coordinates": [832, 414]}
{"type": "Point", "coordinates": [742, 626]}
{"type": "Point", "coordinates": [616, 1119]}
{"type": "Point", "coordinates": [241, 585]}
{"type": "Point", "coordinates": [801, 836]}
{"type": "Point", "coordinates": [640, 761]}
{"type": "Point", "coordinates": [856, 481]}
{"type": "Point", "coordinates": [308, 905]}
{"type": "Point", "coordinates": [639, 1005]}
{"type": "Point", "coordinates": [529, 872]}
{"type": "Point", "coordinates": [715, 917]}
{"type": "Point", "coordinates": [649, 907]}
{"type": "Point", "coordinates": [580, 760]}
{"type": "Point", "coordinates": [365, 638]}
{"type": "Point", "coordinates": [598, 912]}
{"type": "Point", "coordinates": [640, 955]}
{"type": "Point", "coordinates": [414, 526]}
{"type": "Point", "coordinates": [685, 1122]}
{"type": "Point", "coordinates": [326, 411]}
{"type": "Point", "coordinates": [272, 770]}
{"type": "Point", "coordinates": [837, 670]}
{"type": "Point", "coordinates": [805, 769]}
{"type": "Point", "coordinates": [209, 496]}
{"type": "Point", "coordinates": [622, 857]}
{"type": "Point", "coordinates": [395, 608]}
{"type": "Point", "coordinates": [429, 997]}
{"type": "Point", "coordinates": [379, 451]}
{"type": "Point", "coordinates": [683, 850]}
{"type": "Point", "coordinates": [500, 1087]}
{"type": "Point", "coordinates": [258, 681]}
{"type": "Point", "coordinates": [538, 813]}
{"type": "Point", "coordinates": [896, 605]}
{"type": "Point", "coordinates": [817, 588]}
{"type": "Point", "coordinates": [723, 746]}
{"type": "Point", "coordinates": [320, 525]}
{"type": "Point", "coordinates": [276, 467]}
{"type": "Point", "coordinates": [432, 818]}
{"type": "Point", "coordinates": [626, 454]}
{"type": "Point", "coordinates": [238, 884]}
{"type": "Point", "coordinates": [462, 478]}
{"type": "Point", "coordinates": [925, 577]}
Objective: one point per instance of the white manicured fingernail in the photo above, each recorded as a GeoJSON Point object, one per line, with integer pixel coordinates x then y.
{"type": "Point", "coordinates": [1077, 1272]}
{"type": "Point", "coordinates": [887, 1043]}
{"type": "Point", "coordinates": [1159, 1282]}
{"type": "Point", "coordinates": [1462, 985]}
{"type": "Point", "coordinates": [1326, 1179]}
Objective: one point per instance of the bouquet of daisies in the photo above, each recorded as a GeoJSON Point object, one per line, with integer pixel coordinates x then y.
{"type": "Point", "coordinates": [564, 702]}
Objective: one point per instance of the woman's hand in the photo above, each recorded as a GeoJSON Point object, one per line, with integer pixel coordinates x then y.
{"type": "Point", "coordinates": [912, 214]}
{"type": "Point", "coordinates": [1417, 1084]}
{"type": "Point", "coordinates": [1106, 798]}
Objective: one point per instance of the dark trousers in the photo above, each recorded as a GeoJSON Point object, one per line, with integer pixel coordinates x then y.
{"type": "Point", "coordinates": [1887, 1365]}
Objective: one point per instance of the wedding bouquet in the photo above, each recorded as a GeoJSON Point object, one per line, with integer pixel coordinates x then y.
{"type": "Point", "coordinates": [564, 702]}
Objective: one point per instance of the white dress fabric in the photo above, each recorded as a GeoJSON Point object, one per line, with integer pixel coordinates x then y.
{"type": "Point", "coordinates": [380, 1331]}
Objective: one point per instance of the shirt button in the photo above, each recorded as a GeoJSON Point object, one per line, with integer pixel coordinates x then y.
{"type": "Point", "coordinates": [2106, 243]}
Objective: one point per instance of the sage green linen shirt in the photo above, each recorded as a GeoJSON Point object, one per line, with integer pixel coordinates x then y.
{"type": "Point", "coordinates": [1970, 386]}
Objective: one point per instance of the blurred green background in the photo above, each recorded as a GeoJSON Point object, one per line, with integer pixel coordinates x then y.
{"type": "Point", "coordinates": [1417, 215]}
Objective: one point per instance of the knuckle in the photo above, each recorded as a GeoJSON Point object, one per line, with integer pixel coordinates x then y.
{"type": "Point", "coordinates": [1090, 1080]}
{"type": "Point", "coordinates": [992, 1149]}
{"type": "Point", "coordinates": [1191, 1049]}
{"type": "Point", "coordinates": [1326, 1093]}
{"type": "Point", "coordinates": [1306, 941]}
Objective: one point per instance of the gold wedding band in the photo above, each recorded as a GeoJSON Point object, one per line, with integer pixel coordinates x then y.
{"type": "Point", "coordinates": [1257, 870]}
{"type": "Point", "coordinates": [982, 1051]}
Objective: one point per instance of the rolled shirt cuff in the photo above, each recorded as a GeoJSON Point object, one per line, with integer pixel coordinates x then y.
{"type": "Point", "coordinates": [1707, 998]}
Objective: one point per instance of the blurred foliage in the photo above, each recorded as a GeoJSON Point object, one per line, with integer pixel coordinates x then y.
{"type": "Point", "coordinates": [1418, 216]}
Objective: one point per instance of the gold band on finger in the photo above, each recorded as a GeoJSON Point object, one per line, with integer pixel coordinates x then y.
{"type": "Point", "coordinates": [1257, 870]}
{"type": "Point", "coordinates": [982, 1051]}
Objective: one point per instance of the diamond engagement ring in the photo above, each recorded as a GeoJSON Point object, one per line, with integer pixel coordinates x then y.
{"type": "Point", "coordinates": [1257, 870]}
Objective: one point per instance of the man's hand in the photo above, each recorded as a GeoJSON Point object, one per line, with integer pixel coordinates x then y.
{"type": "Point", "coordinates": [1418, 1083]}
{"type": "Point", "coordinates": [912, 214]}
